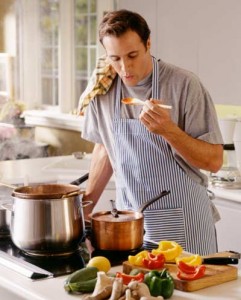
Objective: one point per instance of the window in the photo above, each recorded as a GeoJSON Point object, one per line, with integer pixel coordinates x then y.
{"type": "Point", "coordinates": [57, 49]}
{"type": "Point", "coordinates": [49, 53]}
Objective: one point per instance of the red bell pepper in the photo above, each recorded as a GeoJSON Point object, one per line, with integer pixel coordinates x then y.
{"type": "Point", "coordinates": [154, 261]}
{"type": "Point", "coordinates": [185, 268]}
{"type": "Point", "coordinates": [199, 273]}
{"type": "Point", "coordinates": [128, 278]}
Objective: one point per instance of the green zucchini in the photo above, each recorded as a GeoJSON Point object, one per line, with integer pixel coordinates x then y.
{"type": "Point", "coordinates": [82, 280]}
{"type": "Point", "coordinates": [87, 286]}
{"type": "Point", "coordinates": [82, 275]}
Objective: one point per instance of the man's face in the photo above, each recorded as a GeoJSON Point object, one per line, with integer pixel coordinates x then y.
{"type": "Point", "coordinates": [129, 57]}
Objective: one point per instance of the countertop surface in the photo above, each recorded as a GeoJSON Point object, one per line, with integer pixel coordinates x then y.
{"type": "Point", "coordinates": [228, 194]}
{"type": "Point", "coordinates": [65, 169]}
{"type": "Point", "coordinates": [18, 287]}
{"type": "Point", "coordinates": [58, 169]}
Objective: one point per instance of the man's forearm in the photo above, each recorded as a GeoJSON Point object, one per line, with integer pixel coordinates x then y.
{"type": "Point", "coordinates": [198, 153]}
{"type": "Point", "coordinates": [99, 175]}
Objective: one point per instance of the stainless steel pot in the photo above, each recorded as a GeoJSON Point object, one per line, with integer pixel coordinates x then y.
{"type": "Point", "coordinates": [47, 219]}
{"type": "Point", "coordinates": [5, 219]}
{"type": "Point", "coordinates": [120, 230]}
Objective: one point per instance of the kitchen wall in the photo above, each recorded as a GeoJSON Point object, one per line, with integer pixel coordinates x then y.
{"type": "Point", "coordinates": [200, 35]}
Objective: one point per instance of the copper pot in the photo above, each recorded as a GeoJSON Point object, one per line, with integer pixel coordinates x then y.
{"type": "Point", "coordinates": [120, 230]}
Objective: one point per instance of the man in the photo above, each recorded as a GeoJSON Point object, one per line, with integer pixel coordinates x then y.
{"type": "Point", "coordinates": [150, 149]}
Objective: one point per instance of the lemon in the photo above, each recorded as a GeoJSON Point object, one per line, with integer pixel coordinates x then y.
{"type": "Point", "coordinates": [100, 262]}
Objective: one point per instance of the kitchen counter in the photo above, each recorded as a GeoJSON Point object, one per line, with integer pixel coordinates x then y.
{"type": "Point", "coordinates": [228, 194]}
{"type": "Point", "coordinates": [14, 286]}
{"type": "Point", "coordinates": [55, 169]}
{"type": "Point", "coordinates": [46, 169]}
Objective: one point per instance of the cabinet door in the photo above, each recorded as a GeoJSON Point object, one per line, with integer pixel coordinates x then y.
{"type": "Point", "coordinates": [228, 228]}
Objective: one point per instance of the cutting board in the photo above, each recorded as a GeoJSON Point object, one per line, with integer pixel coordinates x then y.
{"type": "Point", "coordinates": [214, 275]}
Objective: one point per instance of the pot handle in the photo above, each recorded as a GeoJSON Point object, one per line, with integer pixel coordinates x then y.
{"type": "Point", "coordinates": [7, 206]}
{"type": "Point", "coordinates": [86, 203]}
{"type": "Point", "coordinates": [80, 180]}
{"type": "Point", "coordinates": [146, 204]}
{"type": "Point", "coordinates": [76, 193]}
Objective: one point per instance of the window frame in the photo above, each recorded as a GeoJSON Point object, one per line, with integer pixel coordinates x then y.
{"type": "Point", "coordinates": [30, 51]}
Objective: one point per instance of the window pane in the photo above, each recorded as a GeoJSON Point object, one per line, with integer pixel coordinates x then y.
{"type": "Point", "coordinates": [81, 61]}
{"type": "Point", "coordinates": [82, 6]}
{"type": "Point", "coordinates": [47, 59]}
{"type": "Point", "coordinates": [81, 31]}
{"type": "Point", "coordinates": [80, 86]}
{"type": "Point", "coordinates": [50, 90]}
{"type": "Point", "coordinates": [93, 6]}
{"type": "Point", "coordinates": [93, 58]}
{"type": "Point", "coordinates": [49, 32]}
{"type": "Point", "coordinates": [93, 30]}
{"type": "Point", "coordinates": [85, 43]}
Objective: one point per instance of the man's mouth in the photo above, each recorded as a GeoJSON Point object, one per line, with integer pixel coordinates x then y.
{"type": "Point", "coordinates": [128, 77]}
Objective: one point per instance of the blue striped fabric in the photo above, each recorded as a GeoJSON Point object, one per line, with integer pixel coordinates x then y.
{"type": "Point", "coordinates": [144, 167]}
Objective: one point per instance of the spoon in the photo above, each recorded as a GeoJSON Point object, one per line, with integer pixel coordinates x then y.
{"type": "Point", "coordinates": [136, 101]}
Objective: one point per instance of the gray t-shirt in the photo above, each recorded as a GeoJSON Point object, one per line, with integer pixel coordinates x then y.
{"type": "Point", "coordinates": [192, 110]}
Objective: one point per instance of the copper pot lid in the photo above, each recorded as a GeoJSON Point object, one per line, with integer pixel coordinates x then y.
{"type": "Point", "coordinates": [46, 191]}
{"type": "Point", "coordinates": [123, 216]}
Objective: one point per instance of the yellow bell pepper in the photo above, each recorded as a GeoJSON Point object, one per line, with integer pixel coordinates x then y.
{"type": "Point", "coordinates": [193, 260]}
{"type": "Point", "coordinates": [137, 259]}
{"type": "Point", "coordinates": [169, 249]}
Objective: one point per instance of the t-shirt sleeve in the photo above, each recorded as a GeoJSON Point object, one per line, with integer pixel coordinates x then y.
{"type": "Point", "coordinates": [90, 131]}
{"type": "Point", "coordinates": [200, 115]}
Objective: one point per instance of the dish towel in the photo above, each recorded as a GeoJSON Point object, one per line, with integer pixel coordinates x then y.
{"type": "Point", "coordinates": [99, 83]}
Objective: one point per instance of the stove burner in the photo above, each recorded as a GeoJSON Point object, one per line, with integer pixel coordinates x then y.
{"type": "Point", "coordinates": [48, 254]}
{"type": "Point", "coordinates": [57, 265]}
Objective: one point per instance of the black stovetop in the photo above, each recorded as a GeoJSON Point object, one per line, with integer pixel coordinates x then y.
{"type": "Point", "coordinates": [57, 265]}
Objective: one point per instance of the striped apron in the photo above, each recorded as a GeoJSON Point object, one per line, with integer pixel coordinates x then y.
{"type": "Point", "coordinates": [144, 167]}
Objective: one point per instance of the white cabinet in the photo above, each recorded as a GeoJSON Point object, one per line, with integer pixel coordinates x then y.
{"type": "Point", "coordinates": [229, 227]}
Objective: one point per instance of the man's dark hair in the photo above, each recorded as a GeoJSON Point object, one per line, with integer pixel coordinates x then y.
{"type": "Point", "coordinates": [118, 22]}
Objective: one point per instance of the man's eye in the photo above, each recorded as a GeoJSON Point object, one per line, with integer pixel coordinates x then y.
{"type": "Point", "coordinates": [133, 55]}
{"type": "Point", "coordinates": [114, 59]}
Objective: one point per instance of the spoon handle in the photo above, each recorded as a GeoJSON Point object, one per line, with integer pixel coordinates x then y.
{"type": "Point", "coordinates": [143, 103]}
{"type": "Point", "coordinates": [165, 106]}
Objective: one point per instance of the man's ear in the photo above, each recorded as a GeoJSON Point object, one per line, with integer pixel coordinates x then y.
{"type": "Point", "coordinates": [148, 44]}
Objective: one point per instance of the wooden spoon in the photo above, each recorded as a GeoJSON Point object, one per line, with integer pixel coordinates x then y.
{"type": "Point", "coordinates": [136, 101]}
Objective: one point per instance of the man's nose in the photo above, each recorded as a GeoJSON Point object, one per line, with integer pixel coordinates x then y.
{"type": "Point", "coordinates": [125, 65]}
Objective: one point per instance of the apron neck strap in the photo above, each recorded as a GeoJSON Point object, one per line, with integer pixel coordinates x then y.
{"type": "Point", "coordinates": [155, 84]}
{"type": "Point", "coordinates": [155, 78]}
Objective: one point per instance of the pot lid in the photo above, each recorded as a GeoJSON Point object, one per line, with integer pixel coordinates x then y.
{"type": "Point", "coordinates": [45, 191]}
{"type": "Point", "coordinates": [123, 216]}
